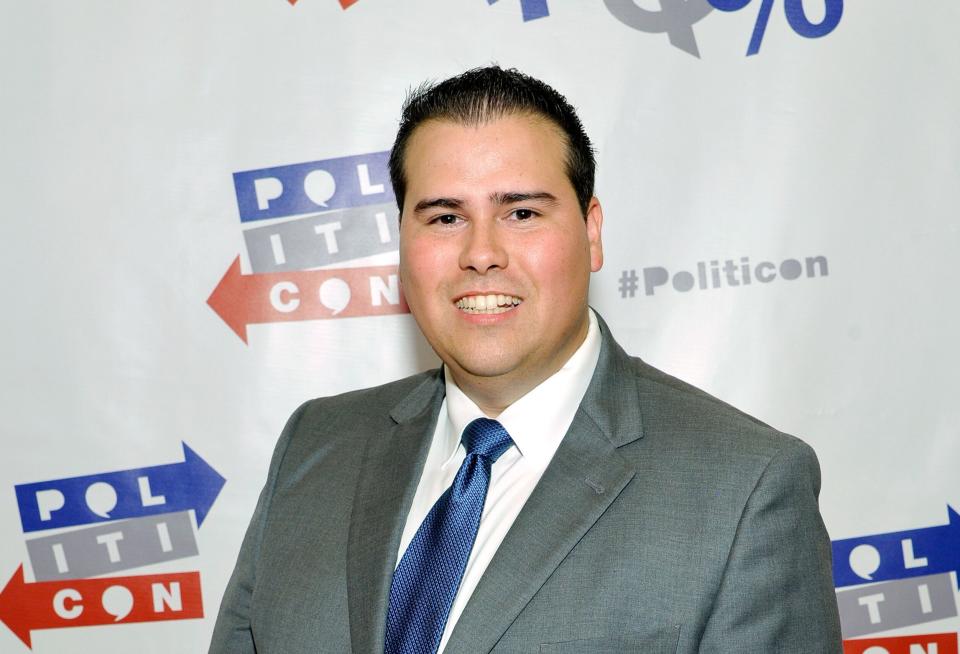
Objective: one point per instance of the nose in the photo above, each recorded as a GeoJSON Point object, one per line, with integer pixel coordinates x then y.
{"type": "Point", "coordinates": [483, 247]}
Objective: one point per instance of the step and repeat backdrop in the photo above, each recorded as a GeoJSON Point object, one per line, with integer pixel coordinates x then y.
{"type": "Point", "coordinates": [199, 233]}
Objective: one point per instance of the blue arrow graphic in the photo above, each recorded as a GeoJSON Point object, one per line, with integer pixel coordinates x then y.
{"type": "Point", "coordinates": [192, 484]}
{"type": "Point", "coordinates": [898, 555]}
{"type": "Point", "coordinates": [532, 9]}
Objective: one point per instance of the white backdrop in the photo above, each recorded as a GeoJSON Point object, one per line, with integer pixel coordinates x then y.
{"type": "Point", "coordinates": [826, 166]}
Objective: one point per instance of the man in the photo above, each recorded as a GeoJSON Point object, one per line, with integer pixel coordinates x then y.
{"type": "Point", "coordinates": [543, 492]}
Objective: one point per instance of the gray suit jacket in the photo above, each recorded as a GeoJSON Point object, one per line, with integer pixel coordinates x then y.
{"type": "Point", "coordinates": [667, 522]}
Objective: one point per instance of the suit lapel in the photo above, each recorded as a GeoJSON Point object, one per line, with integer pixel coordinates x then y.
{"type": "Point", "coordinates": [387, 483]}
{"type": "Point", "coordinates": [583, 479]}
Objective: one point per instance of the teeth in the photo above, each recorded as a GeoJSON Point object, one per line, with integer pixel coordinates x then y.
{"type": "Point", "coordinates": [490, 304]}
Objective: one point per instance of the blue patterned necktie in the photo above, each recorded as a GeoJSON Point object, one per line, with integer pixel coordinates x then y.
{"type": "Point", "coordinates": [426, 580]}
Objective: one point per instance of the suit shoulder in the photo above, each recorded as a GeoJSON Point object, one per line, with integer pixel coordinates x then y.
{"type": "Point", "coordinates": [360, 410]}
{"type": "Point", "coordinates": [383, 397]}
{"type": "Point", "coordinates": [719, 453]}
{"type": "Point", "coordinates": [669, 404]}
{"type": "Point", "coordinates": [335, 424]}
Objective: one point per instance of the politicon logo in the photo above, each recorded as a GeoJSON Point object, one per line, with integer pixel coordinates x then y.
{"type": "Point", "coordinates": [103, 524]}
{"type": "Point", "coordinates": [303, 224]}
{"type": "Point", "coordinates": [718, 273]}
{"type": "Point", "coordinates": [898, 580]}
{"type": "Point", "coordinates": [677, 18]}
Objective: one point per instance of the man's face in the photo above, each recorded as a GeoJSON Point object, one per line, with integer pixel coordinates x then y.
{"type": "Point", "coordinates": [495, 254]}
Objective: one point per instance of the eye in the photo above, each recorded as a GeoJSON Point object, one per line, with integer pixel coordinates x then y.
{"type": "Point", "coordinates": [446, 219]}
{"type": "Point", "coordinates": [524, 214]}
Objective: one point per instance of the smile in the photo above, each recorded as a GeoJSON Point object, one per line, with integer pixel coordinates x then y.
{"type": "Point", "coordinates": [488, 304]}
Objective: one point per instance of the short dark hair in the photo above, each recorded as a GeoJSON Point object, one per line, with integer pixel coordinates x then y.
{"type": "Point", "coordinates": [488, 93]}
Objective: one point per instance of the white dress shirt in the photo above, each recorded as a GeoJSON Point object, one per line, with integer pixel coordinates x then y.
{"type": "Point", "coordinates": [536, 422]}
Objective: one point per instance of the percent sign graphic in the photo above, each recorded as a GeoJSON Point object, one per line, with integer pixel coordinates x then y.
{"type": "Point", "coordinates": [796, 16]}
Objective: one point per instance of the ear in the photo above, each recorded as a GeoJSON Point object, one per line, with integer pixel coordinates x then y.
{"type": "Point", "coordinates": [594, 219]}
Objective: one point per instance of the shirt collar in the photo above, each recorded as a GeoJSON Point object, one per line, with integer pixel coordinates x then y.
{"type": "Point", "coordinates": [537, 421]}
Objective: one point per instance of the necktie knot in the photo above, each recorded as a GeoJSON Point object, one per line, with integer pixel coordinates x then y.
{"type": "Point", "coordinates": [487, 438]}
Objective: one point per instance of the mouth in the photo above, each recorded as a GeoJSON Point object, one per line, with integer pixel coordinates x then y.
{"type": "Point", "coordinates": [487, 304]}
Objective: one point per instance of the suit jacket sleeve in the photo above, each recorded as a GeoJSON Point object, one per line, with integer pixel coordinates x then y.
{"type": "Point", "coordinates": [777, 594]}
{"type": "Point", "coordinates": [232, 633]}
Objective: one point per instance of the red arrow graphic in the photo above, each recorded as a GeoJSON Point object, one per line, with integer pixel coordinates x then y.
{"type": "Point", "coordinates": [242, 300]}
{"type": "Point", "coordinates": [939, 643]}
{"type": "Point", "coordinates": [106, 600]}
{"type": "Point", "coordinates": [343, 3]}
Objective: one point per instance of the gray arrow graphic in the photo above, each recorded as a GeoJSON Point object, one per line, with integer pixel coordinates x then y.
{"type": "Point", "coordinates": [895, 604]}
{"type": "Point", "coordinates": [106, 548]}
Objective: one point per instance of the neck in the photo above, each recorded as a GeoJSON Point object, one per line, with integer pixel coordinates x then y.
{"type": "Point", "coordinates": [490, 397]}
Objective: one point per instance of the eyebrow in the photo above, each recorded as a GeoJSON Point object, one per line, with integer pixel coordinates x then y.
{"type": "Point", "coordinates": [499, 198]}
{"type": "Point", "coordinates": [515, 197]}
{"type": "Point", "coordinates": [431, 203]}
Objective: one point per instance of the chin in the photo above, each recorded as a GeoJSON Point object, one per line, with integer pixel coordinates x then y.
{"type": "Point", "coordinates": [485, 367]}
